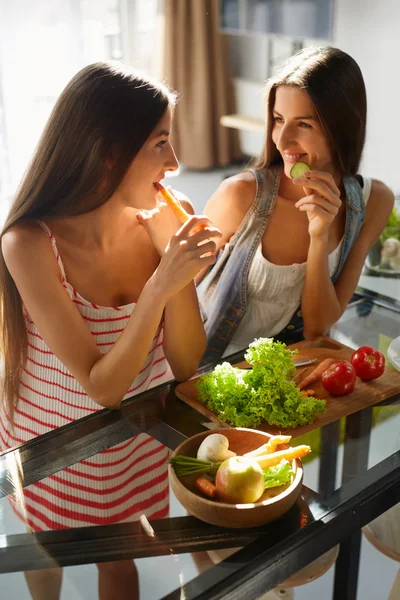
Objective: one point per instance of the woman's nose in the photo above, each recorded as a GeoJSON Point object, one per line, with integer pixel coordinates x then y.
{"type": "Point", "coordinates": [171, 164]}
{"type": "Point", "coordinates": [285, 136]}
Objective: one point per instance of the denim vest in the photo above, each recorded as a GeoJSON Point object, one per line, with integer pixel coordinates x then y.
{"type": "Point", "coordinates": [223, 292]}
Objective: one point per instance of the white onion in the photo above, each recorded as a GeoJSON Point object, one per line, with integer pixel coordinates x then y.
{"type": "Point", "coordinates": [214, 448]}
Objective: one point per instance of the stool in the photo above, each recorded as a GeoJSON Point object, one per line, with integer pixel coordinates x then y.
{"type": "Point", "coordinates": [384, 534]}
{"type": "Point", "coordinates": [284, 591]}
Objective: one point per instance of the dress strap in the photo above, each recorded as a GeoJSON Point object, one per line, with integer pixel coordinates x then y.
{"type": "Point", "coordinates": [54, 246]}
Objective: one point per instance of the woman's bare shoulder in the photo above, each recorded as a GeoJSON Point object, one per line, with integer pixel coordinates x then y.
{"type": "Point", "coordinates": [379, 207]}
{"type": "Point", "coordinates": [240, 188]}
{"type": "Point", "coordinates": [24, 243]}
{"type": "Point", "coordinates": [22, 234]}
{"type": "Point", "coordinates": [381, 192]}
{"type": "Point", "coordinates": [232, 200]}
{"type": "Point", "coordinates": [381, 200]}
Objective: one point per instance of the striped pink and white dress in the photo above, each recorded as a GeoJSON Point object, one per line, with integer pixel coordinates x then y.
{"type": "Point", "coordinates": [120, 484]}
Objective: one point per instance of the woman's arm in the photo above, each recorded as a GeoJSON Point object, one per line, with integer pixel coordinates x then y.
{"type": "Point", "coordinates": [322, 302]}
{"type": "Point", "coordinates": [184, 336]}
{"type": "Point", "coordinates": [185, 340]}
{"type": "Point", "coordinates": [105, 379]}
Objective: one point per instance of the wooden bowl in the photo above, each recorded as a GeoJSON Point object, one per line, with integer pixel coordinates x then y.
{"type": "Point", "coordinates": [239, 516]}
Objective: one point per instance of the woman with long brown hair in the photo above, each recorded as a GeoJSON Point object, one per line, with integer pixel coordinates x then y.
{"type": "Point", "coordinates": [292, 250]}
{"type": "Point", "coordinates": [98, 302]}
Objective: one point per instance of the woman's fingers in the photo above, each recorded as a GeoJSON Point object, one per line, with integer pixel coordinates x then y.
{"type": "Point", "coordinates": [205, 248]}
{"type": "Point", "coordinates": [322, 188]}
{"type": "Point", "coordinates": [203, 235]}
{"type": "Point", "coordinates": [314, 209]}
{"type": "Point", "coordinates": [307, 202]}
{"type": "Point", "coordinates": [321, 182]}
{"type": "Point", "coordinates": [323, 176]}
{"type": "Point", "coordinates": [203, 226]}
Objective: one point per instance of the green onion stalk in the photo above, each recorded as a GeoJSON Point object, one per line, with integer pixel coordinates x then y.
{"type": "Point", "coordinates": [186, 465]}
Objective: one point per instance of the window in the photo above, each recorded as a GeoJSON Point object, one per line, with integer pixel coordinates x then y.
{"type": "Point", "coordinates": [43, 43]}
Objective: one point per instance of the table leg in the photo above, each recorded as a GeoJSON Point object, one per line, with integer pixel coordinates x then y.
{"type": "Point", "coordinates": [355, 460]}
{"type": "Point", "coordinates": [328, 459]}
{"type": "Point", "coordinates": [356, 444]}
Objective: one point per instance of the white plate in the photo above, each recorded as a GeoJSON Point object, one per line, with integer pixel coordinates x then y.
{"type": "Point", "coordinates": [394, 352]}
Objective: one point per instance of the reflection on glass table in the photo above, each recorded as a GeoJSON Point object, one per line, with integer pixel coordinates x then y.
{"type": "Point", "coordinates": [81, 581]}
{"type": "Point", "coordinates": [352, 465]}
{"type": "Point", "coordinates": [386, 287]}
{"type": "Point", "coordinates": [179, 567]}
{"type": "Point", "coordinates": [176, 568]}
{"type": "Point", "coordinates": [367, 324]}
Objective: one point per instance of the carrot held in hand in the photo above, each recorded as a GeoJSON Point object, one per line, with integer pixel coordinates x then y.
{"type": "Point", "coordinates": [206, 487]}
{"type": "Point", "coordinates": [175, 206]}
{"type": "Point", "coordinates": [270, 460]}
{"type": "Point", "coordinates": [172, 202]}
{"type": "Point", "coordinates": [316, 374]}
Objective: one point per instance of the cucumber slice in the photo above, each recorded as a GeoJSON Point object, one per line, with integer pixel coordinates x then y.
{"type": "Point", "coordinates": [298, 169]}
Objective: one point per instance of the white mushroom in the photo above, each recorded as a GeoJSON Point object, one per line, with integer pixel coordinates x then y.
{"type": "Point", "coordinates": [214, 448]}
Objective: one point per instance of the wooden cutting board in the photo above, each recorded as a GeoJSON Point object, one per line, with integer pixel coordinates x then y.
{"type": "Point", "coordinates": [365, 393]}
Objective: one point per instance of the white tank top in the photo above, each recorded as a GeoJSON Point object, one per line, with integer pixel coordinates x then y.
{"type": "Point", "coordinates": [274, 293]}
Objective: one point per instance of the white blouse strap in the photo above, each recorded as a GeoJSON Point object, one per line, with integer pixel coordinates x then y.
{"type": "Point", "coordinates": [367, 188]}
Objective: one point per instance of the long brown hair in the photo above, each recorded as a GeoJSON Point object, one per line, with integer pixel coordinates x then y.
{"type": "Point", "coordinates": [106, 108]}
{"type": "Point", "coordinates": [335, 84]}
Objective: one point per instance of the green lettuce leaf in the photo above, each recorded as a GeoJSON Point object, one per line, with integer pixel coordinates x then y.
{"type": "Point", "coordinates": [245, 397]}
{"type": "Point", "coordinates": [278, 475]}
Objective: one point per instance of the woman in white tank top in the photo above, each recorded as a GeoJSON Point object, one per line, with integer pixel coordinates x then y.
{"type": "Point", "coordinates": [274, 293]}
{"type": "Point", "coordinates": [292, 249]}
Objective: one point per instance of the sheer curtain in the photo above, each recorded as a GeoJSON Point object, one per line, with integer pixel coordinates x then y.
{"type": "Point", "coordinates": [43, 43]}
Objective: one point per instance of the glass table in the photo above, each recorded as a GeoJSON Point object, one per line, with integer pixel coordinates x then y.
{"type": "Point", "coordinates": [351, 477]}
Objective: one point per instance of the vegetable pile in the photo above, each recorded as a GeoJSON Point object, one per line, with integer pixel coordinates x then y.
{"type": "Point", "coordinates": [339, 376]}
{"type": "Point", "coordinates": [245, 397]}
{"type": "Point", "coordinates": [239, 479]}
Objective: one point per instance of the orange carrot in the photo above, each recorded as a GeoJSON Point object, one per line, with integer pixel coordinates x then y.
{"type": "Point", "coordinates": [269, 460]}
{"type": "Point", "coordinates": [206, 487]}
{"type": "Point", "coordinates": [270, 446]}
{"type": "Point", "coordinates": [316, 374]}
{"type": "Point", "coordinates": [172, 202]}
{"type": "Point", "coordinates": [307, 393]}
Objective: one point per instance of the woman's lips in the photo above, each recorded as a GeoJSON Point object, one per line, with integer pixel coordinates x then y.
{"type": "Point", "coordinates": [292, 157]}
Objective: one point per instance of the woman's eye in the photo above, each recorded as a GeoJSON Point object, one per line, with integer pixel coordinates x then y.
{"type": "Point", "coordinates": [305, 125]}
{"type": "Point", "coordinates": [278, 120]}
{"type": "Point", "coordinates": [161, 143]}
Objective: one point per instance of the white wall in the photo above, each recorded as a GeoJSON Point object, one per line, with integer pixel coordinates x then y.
{"type": "Point", "coordinates": [369, 31]}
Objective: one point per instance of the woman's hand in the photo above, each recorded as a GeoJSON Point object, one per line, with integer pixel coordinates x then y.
{"type": "Point", "coordinates": [160, 223]}
{"type": "Point", "coordinates": [322, 201]}
{"type": "Point", "coordinates": [188, 251]}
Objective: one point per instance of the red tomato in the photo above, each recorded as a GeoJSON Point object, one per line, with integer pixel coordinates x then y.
{"type": "Point", "coordinates": [339, 379]}
{"type": "Point", "coordinates": [368, 362]}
